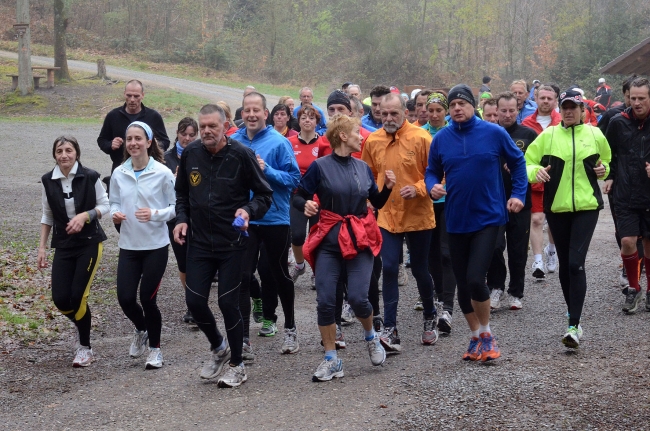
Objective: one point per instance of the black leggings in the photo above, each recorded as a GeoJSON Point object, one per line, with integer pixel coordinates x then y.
{"type": "Point", "coordinates": [572, 233]}
{"type": "Point", "coordinates": [440, 267]}
{"type": "Point", "coordinates": [273, 270]}
{"type": "Point", "coordinates": [471, 254]}
{"type": "Point", "coordinates": [201, 267]}
{"type": "Point", "coordinates": [146, 268]}
{"type": "Point", "coordinates": [298, 221]}
{"type": "Point", "coordinates": [180, 251]}
{"type": "Point", "coordinates": [73, 271]}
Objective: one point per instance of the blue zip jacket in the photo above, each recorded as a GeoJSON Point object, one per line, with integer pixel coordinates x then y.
{"type": "Point", "coordinates": [469, 155]}
{"type": "Point", "coordinates": [321, 127]}
{"type": "Point", "coordinates": [281, 170]}
{"type": "Point", "coordinates": [529, 108]}
{"type": "Point", "coordinates": [369, 123]}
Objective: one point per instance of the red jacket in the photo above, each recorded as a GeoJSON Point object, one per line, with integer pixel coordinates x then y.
{"type": "Point", "coordinates": [531, 121]}
{"type": "Point", "coordinates": [365, 231]}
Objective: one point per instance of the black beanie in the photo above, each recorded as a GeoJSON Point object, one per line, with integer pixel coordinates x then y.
{"type": "Point", "coordinates": [339, 98]}
{"type": "Point", "coordinates": [462, 91]}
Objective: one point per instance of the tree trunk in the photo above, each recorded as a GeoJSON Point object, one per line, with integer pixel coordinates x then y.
{"type": "Point", "coordinates": [101, 68]}
{"type": "Point", "coordinates": [60, 26]}
{"type": "Point", "coordinates": [25, 76]}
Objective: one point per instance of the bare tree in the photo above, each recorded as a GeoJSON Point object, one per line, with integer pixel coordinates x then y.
{"type": "Point", "coordinates": [60, 27]}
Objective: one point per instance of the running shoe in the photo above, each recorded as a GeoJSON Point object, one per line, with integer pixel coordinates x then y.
{"type": "Point", "coordinates": [377, 323]}
{"type": "Point", "coordinates": [347, 315]}
{"type": "Point", "coordinates": [268, 329]}
{"type": "Point", "coordinates": [538, 270]}
{"type": "Point", "coordinates": [418, 304]}
{"type": "Point", "coordinates": [444, 323]}
{"type": "Point", "coordinates": [622, 278]}
{"type": "Point", "coordinates": [327, 370]}
{"type": "Point", "coordinates": [290, 343]}
{"type": "Point", "coordinates": [295, 271]}
{"type": "Point", "coordinates": [376, 351]}
{"type": "Point", "coordinates": [313, 282]}
{"type": "Point", "coordinates": [632, 300]}
{"type": "Point", "coordinates": [83, 357]}
{"type": "Point", "coordinates": [339, 341]}
{"type": "Point", "coordinates": [572, 337]}
{"type": "Point", "coordinates": [154, 359]}
{"type": "Point", "coordinates": [515, 303]}
{"type": "Point", "coordinates": [247, 353]}
{"type": "Point", "coordinates": [430, 332]}
{"type": "Point", "coordinates": [139, 343]}
{"type": "Point", "coordinates": [551, 259]}
{"type": "Point", "coordinates": [489, 350]}
{"type": "Point", "coordinates": [390, 340]}
{"type": "Point", "coordinates": [187, 318]}
{"type": "Point", "coordinates": [257, 310]}
{"type": "Point", "coordinates": [402, 276]}
{"type": "Point", "coordinates": [214, 365]}
{"type": "Point", "coordinates": [233, 376]}
{"type": "Point", "coordinates": [473, 351]}
{"type": "Point", "coordinates": [495, 299]}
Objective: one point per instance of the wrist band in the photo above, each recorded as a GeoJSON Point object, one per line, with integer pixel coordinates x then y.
{"type": "Point", "coordinates": [92, 215]}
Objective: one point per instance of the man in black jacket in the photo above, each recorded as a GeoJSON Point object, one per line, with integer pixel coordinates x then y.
{"type": "Point", "coordinates": [215, 179]}
{"type": "Point", "coordinates": [516, 232]}
{"type": "Point", "coordinates": [111, 138]}
{"type": "Point", "coordinates": [628, 135]}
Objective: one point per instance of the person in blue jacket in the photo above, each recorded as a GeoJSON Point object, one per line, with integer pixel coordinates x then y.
{"type": "Point", "coordinates": [276, 159]}
{"type": "Point", "coordinates": [468, 152]}
{"type": "Point", "coordinates": [306, 97]}
{"type": "Point", "coordinates": [525, 105]}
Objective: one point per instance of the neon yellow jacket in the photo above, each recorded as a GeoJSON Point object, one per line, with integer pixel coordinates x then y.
{"type": "Point", "coordinates": [572, 153]}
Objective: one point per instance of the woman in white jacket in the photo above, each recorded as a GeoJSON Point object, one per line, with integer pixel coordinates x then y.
{"type": "Point", "coordinates": [142, 199]}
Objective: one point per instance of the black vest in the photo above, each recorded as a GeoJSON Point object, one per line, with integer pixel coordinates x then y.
{"type": "Point", "coordinates": [85, 199]}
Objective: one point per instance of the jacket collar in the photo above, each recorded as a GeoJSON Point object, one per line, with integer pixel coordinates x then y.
{"type": "Point", "coordinates": [128, 165]}
{"type": "Point", "coordinates": [258, 136]}
{"type": "Point", "coordinates": [466, 124]}
{"type": "Point", "coordinates": [58, 175]}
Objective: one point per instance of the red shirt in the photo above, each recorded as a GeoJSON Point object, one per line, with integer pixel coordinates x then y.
{"type": "Point", "coordinates": [232, 130]}
{"type": "Point", "coordinates": [305, 152]}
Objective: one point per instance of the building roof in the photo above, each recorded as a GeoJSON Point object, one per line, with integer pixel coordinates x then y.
{"type": "Point", "coordinates": [635, 60]}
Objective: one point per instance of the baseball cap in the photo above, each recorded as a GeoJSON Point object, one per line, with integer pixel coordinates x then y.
{"type": "Point", "coordinates": [571, 95]}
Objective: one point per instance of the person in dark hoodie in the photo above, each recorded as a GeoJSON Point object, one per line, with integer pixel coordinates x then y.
{"type": "Point", "coordinates": [469, 154]}
{"type": "Point", "coordinates": [516, 231]}
{"type": "Point", "coordinates": [628, 134]}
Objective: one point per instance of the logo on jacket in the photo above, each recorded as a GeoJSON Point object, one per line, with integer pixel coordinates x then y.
{"type": "Point", "coordinates": [314, 151]}
{"type": "Point", "coordinates": [520, 144]}
{"type": "Point", "coordinates": [195, 178]}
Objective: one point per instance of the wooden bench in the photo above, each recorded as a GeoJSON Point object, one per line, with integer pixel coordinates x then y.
{"type": "Point", "coordinates": [14, 82]}
{"type": "Point", "coordinates": [50, 74]}
{"type": "Point", "coordinates": [37, 81]}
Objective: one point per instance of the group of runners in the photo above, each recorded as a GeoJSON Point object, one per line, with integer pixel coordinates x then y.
{"type": "Point", "coordinates": [460, 183]}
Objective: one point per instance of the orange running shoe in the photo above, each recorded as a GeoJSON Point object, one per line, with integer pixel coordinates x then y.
{"type": "Point", "coordinates": [474, 350]}
{"type": "Point", "coordinates": [488, 347]}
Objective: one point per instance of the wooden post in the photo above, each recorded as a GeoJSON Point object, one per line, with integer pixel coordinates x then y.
{"type": "Point", "coordinates": [25, 77]}
{"type": "Point", "coordinates": [101, 68]}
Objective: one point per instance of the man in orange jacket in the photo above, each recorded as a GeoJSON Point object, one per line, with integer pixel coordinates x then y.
{"type": "Point", "coordinates": [403, 148]}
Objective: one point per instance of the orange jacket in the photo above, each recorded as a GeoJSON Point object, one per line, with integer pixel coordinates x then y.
{"type": "Point", "coordinates": [406, 153]}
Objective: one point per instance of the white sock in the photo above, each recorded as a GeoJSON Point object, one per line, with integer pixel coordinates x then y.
{"type": "Point", "coordinates": [475, 334]}
{"type": "Point", "coordinates": [551, 248]}
{"type": "Point", "coordinates": [538, 258]}
{"type": "Point", "coordinates": [300, 265]}
{"type": "Point", "coordinates": [486, 328]}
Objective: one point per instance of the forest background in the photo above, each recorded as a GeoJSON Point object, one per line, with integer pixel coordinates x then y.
{"type": "Point", "coordinates": [324, 43]}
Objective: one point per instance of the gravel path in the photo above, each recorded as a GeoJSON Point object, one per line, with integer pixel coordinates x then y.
{"type": "Point", "coordinates": [536, 385]}
{"type": "Point", "coordinates": [212, 92]}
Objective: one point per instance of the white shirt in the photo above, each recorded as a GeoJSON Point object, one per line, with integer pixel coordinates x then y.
{"type": "Point", "coordinates": [544, 121]}
{"type": "Point", "coordinates": [101, 206]}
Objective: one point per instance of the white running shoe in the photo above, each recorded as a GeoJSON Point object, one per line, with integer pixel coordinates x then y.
{"type": "Point", "coordinates": [155, 359]}
{"type": "Point", "coordinates": [233, 377]}
{"type": "Point", "coordinates": [139, 343]}
{"type": "Point", "coordinates": [247, 353]}
{"type": "Point", "coordinates": [295, 271]}
{"type": "Point", "coordinates": [538, 270]}
{"type": "Point", "coordinates": [214, 365]}
{"type": "Point", "coordinates": [327, 370]}
{"type": "Point", "coordinates": [347, 315]}
{"type": "Point", "coordinates": [376, 351]}
{"type": "Point", "coordinates": [495, 299]}
{"type": "Point", "coordinates": [551, 259]}
{"type": "Point", "coordinates": [290, 344]}
{"type": "Point", "coordinates": [83, 357]}
{"type": "Point", "coordinates": [515, 303]}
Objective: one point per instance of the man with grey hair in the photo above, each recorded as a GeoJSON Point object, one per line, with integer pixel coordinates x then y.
{"type": "Point", "coordinates": [219, 208]}
{"type": "Point", "coordinates": [306, 98]}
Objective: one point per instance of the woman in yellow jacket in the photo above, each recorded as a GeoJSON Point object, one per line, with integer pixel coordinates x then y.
{"type": "Point", "coordinates": [570, 158]}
